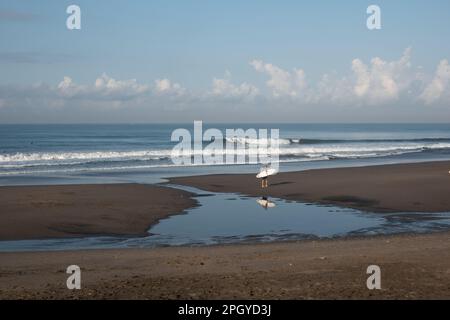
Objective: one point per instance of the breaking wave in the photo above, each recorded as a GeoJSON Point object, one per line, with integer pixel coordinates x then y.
{"type": "Point", "coordinates": [290, 150]}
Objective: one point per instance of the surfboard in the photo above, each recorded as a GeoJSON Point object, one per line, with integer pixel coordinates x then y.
{"type": "Point", "coordinates": [265, 172]}
{"type": "Point", "coordinates": [265, 203]}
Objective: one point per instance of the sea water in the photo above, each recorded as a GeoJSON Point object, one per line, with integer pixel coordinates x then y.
{"type": "Point", "coordinates": [56, 154]}
{"type": "Point", "coordinates": [43, 154]}
{"type": "Point", "coordinates": [224, 218]}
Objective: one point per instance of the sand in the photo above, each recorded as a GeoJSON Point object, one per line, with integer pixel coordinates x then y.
{"type": "Point", "coordinates": [37, 212]}
{"type": "Point", "coordinates": [412, 267]}
{"type": "Point", "coordinates": [418, 187]}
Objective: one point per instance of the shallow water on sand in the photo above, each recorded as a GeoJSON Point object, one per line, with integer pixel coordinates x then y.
{"type": "Point", "coordinates": [223, 218]}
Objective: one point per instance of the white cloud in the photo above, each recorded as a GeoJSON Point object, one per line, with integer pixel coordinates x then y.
{"type": "Point", "coordinates": [434, 91]}
{"type": "Point", "coordinates": [165, 86]}
{"type": "Point", "coordinates": [381, 80]}
{"type": "Point", "coordinates": [332, 89]}
{"type": "Point", "coordinates": [108, 85]}
{"type": "Point", "coordinates": [104, 87]}
{"type": "Point", "coordinates": [286, 94]}
{"type": "Point", "coordinates": [281, 82]}
{"type": "Point", "coordinates": [378, 82]}
{"type": "Point", "coordinates": [225, 88]}
{"type": "Point", "coordinates": [68, 88]}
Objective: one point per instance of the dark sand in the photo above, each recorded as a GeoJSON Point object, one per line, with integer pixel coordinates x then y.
{"type": "Point", "coordinates": [411, 267]}
{"type": "Point", "coordinates": [33, 212]}
{"type": "Point", "coordinates": [419, 187]}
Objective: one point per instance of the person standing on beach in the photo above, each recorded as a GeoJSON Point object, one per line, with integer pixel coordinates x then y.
{"type": "Point", "coordinates": [264, 174]}
{"type": "Point", "coordinates": [265, 182]}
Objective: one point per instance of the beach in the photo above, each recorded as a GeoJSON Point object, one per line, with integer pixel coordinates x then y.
{"type": "Point", "coordinates": [414, 187]}
{"type": "Point", "coordinates": [66, 211]}
{"type": "Point", "coordinates": [217, 150]}
{"type": "Point", "coordinates": [413, 265]}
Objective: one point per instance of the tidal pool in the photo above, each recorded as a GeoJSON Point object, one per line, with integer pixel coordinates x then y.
{"type": "Point", "coordinates": [222, 218]}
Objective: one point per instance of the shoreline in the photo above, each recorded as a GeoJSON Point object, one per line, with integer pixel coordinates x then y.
{"type": "Point", "coordinates": [74, 211]}
{"type": "Point", "coordinates": [413, 187]}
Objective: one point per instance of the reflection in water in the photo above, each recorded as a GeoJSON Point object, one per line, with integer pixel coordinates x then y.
{"type": "Point", "coordinates": [233, 218]}
{"type": "Point", "coordinates": [266, 203]}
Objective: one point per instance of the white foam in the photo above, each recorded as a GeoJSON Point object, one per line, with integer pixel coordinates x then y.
{"type": "Point", "coordinates": [251, 141]}
{"type": "Point", "coordinates": [98, 155]}
{"type": "Point", "coordinates": [158, 157]}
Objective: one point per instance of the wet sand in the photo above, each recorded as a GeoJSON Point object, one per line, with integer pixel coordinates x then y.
{"type": "Point", "coordinates": [412, 267]}
{"type": "Point", "coordinates": [38, 212]}
{"type": "Point", "coordinates": [418, 187]}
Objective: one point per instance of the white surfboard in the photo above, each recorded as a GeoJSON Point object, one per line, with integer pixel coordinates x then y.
{"type": "Point", "coordinates": [265, 203]}
{"type": "Point", "coordinates": [265, 172]}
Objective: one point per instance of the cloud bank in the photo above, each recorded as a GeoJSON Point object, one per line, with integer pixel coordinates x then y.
{"type": "Point", "coordinates": [439, 86]}
{"type": "Point", "coordinates": [377, 83]}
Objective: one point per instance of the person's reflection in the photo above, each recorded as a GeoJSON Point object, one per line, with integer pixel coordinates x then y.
{"type": "Point", "coordinates": [265, 203]}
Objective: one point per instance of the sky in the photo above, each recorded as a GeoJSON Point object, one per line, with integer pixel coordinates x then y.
{"type": "Point", "coordinates": [224, 61]}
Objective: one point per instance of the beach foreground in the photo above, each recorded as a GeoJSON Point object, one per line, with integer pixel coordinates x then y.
{"type": "Point", "coordinates": [412, 266]}
{"type": "Point", "coordinates": [415, 187]}
{"type": "Point", "coordinates": [37, 212]}
{"type": "Point", "coordinates": [65, 211]}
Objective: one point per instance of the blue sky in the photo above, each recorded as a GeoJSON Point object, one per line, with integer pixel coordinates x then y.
{"type": "Point", "coordinates": [187, 44]}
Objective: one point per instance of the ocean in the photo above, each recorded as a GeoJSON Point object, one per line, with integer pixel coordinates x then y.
{"type": "Point", "coordinates": [92, 153]}
{"type": "Point", "coordinates": [113, 153]}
